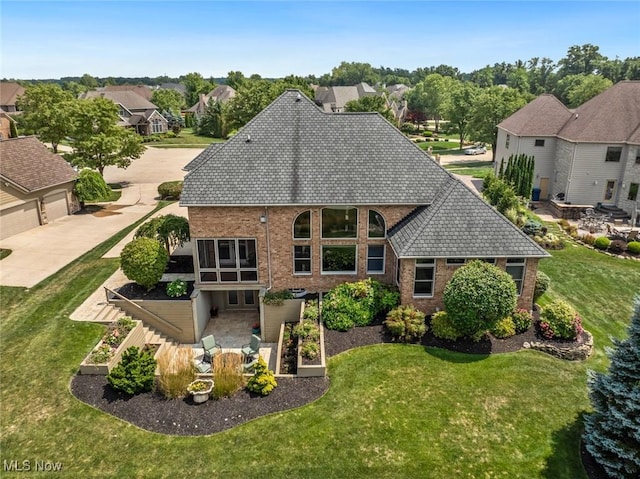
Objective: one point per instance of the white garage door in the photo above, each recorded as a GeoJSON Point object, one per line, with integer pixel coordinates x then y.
{"type": "Point", "coordinates": [18, 219]}
{"type": "Point", "coordinates": [56, 206]}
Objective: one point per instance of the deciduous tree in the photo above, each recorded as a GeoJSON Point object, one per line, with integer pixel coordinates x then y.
{"type": "Point", "coordinates": [168, 100]}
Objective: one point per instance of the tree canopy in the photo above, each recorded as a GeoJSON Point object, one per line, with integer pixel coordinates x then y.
{"type": "Point", "coordinates": [168, 100]}
{"type": "Point", "coordinates": [372, 103]}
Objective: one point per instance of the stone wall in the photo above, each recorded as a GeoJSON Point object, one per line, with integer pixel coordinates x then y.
{"type": "Point", "coordinates": [575, 352]}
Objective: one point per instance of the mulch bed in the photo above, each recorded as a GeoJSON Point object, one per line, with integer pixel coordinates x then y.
{"type": "Point", "coordinates": [159, 292]}
{"type": "Point", "coordinates": [151, 411]}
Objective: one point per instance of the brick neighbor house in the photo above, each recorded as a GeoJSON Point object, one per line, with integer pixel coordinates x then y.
{"type": "Point", "coordinates": [300, 198]}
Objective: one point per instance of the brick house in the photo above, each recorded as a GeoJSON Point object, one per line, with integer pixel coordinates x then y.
{"type": "Point", "coordinates": [300, 198]}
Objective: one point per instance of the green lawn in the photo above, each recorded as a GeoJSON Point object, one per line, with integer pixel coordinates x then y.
{"type": "Point", "coordinates": [186, 139]}
{"type": "Point", "coordinates": [392, 411]}
{"type": "Point", "coordinates": [477, 169]}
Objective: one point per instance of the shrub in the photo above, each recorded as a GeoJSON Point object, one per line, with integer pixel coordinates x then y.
{"type": "Point", "coordinates": [135, 373]}
{"type": "Point", "coordinates": [307, 330]}
{"type": "Point", "coordinates": [602, 243]}
{"type": "Point", "coordinates": [522, 320]}
{"type": "Point", "coordinates": [263, 381]}
{"type": "Point", "coordinates": [227, 375]}
{"type": "Point", "coordinates": [559, 320]}
{"type": "Point", "coordinates": [357, 303]}
{"type": "Point", "coordinates": [617, 246]}
{"type": "Point", "coordinates": [442, 327]}
{"type": "Point", "coordinates": [406, 324]}
{"type": "Point", "coordinates": [311, 310]}
{"type": "Point", "coordinates": [564, 224]}
{"type": "Point", "coordinates": [588, 239]}
{"type": "Point", "coordinates": [102, 355]}
{"type": "Point", "coordinates": [276, 298]}
{"type": "Point", "coordinates": [170, 190]}
{"type": "Point", "coordinates": [170, 230]}
{"type": "Point", "coordinates": [176, 371]}
{"type": "Point", "coordinates": [477, 296]}
{"type": "Point", "coordinates": [542, 284]}
{"type": "Point", "coordinates": [144, 261]}
{"type": "Point", "coordinates": [177, 288]}
{"type": "Point", "coordinates": [549, 241]}
{"type": "Point", "coordinates": [505, 328]}
{"type": "Point", "coordinates": [310, 350]}
{"type": "Point", "coordinates": [633, 247]}
{"type": "Point", "coordinates": [532, 227]}
{"type": "Point", "coordinates": [90, 186]}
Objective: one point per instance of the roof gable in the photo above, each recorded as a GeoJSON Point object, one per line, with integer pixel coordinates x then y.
{"type": "Point", "coordinates": [613, 116]}
{"type": "Point", "coordinates": [29, 165]}
{"type": "Point", "coordinates": [543, 116]}
{"type": "Point", "coordinates": [129, 99]}
{"type": "Point", "coordinates": [293, 153]}
{"type": "Point", "coordinates": [460, 224]}
{"type": "Point", "coordinates": [9, 93]}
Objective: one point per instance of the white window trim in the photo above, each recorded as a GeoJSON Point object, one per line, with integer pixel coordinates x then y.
{"type": "Point", "coordinates": [384, 226]}
{"type": "Point", "coordinates": [523, 263]}
{"type": "Point", "coordinates": [293, 226]}
{"type": "Point", "coordinates": [384, 259]}
{"type": "Point", "coordinates": [333, 273]}
{"type": "Point", "coordinates": [302, 273]}
{"type": "Point", "coordinates": [344, 238]}
{"type": "Point", "coordinates": [433, 281]}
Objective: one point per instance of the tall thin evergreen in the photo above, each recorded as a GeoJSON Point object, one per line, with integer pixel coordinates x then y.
{"type": "Point", "coordinates": [612, 431]}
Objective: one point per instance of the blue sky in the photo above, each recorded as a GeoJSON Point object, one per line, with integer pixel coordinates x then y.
{"type": "Point", "coordinates": [47, 39]}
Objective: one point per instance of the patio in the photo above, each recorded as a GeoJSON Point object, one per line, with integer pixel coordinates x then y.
{"type": "Point", "coordinates": [232, 330]}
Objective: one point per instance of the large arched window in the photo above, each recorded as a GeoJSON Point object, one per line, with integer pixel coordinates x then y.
{"type": "Point", "coordinates": [339, 222]}
{"type": "Point", "coordinates": [302, 226]}
{"type": "Point", "coordinates": [377, 228]}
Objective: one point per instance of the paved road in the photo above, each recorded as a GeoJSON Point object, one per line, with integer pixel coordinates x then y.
{"type": "Point", "coordinates": [40, 252]}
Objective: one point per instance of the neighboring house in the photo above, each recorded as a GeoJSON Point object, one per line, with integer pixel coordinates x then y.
{"type": "Point", "coordinates": [299, 198]}
{"type": "Point", "coordinates": [36, 186]}
{"type": "Point", "coordinates": [5, 126]}
{"type": "Point", "coordinates": [590, 155]}
{"type": "Point", "coordinates": [179, 87]}
{"type": "Point", "coordinates": [334, 98]}
{"type": "Point", "coordinates": [143, 90]}
{"type": "Point", "coordinates": [396, 101]}
{"type": "Point", "coordinates": [222, 93]}
{"type": "Point", "coordinates": [135, 111]}
{"type": "Point", "coordinates": [9, 94]}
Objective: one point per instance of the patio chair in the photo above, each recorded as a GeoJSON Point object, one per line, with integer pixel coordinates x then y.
{"type": "Point", "coordinates": [248, 367]}
{"type": "Point", "coordinates": [203, 367]}
{"type": "Point", "coordinates": [211, 348]}
{"type": "Point", "coordinates": [251, 350]}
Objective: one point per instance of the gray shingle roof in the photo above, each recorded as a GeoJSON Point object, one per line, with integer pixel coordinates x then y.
{"type": "Point", "coordinates": [543, 116]}
{"type": "Point", "coordinates": [460, 224]}
{"type": "Point", "coordinates": [127, 98]}
{"type": "Point", "coordinates": [28, 164]}
{"type": "Point", "coordinates": [299, 155]}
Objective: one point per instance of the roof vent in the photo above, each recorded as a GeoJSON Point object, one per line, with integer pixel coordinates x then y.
{"type": "Point", "coordinates": [299, 97]}
{"type": "Point", "coordinates": [248, 138]}
{"type": "Point", "coordinates": [576, 116]}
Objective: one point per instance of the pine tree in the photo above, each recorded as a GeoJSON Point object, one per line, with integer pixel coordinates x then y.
{"type": "Point", "coordinates": [501, 170]}
{"type": "Point", "coordinates": [612, 431]}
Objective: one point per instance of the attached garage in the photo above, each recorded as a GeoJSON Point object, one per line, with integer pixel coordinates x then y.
{"type": "Point", "coordinates": [19, 218]}
{"type": "Point", "coordinates": [55, 206]}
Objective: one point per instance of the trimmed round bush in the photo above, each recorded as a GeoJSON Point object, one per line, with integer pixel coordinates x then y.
{"type": "Point", "coordinates": [504, 328]}
{"type": "Point", "coordinates": [170, 189]}
{"type": "Point", "coordinates": [406, 323]}
{"type": "Point", "coordinates": [542, 284]}
{"type": "Point", "coordinates": [477, 296]}
{"type": "Point", "coordinates": [633, 247]}
{"type": "Point", "coordinates": [522, 320]}
{"type": "Point", "coordinates": [144, 261]}
{"type": "Point", "coordinates": [90, 186]}
{"type": "Point", "coordinates": [442, 327]}
{"type": "Point", "coordinates": [602, 243]}
{"type": "Point", "coordinates": [617, 246]}
{"type": "Point", "coordinates": [560, 320]}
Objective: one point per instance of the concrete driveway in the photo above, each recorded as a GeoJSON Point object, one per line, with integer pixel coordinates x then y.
{"type": "Point", "coordinates": [40, 252]}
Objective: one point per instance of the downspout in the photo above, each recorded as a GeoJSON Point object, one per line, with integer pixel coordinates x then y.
{"type": "Point", "coordinates": [266, 214]}
{"type": "Point", "coordinates": [573, 160]}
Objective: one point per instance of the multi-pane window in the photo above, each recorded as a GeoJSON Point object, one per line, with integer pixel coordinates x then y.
{"type": "Point", "coordinates": [515, 267]}
{"type": "Point", "coordinates": [424, 277]}
{"type": "Point", "coordinates": [507, 141]}
{"type": "Point", "coordinates": [302, 259]}
{"type": "Point", "coordinates": [375, 258]}
{"type": "Point", "coordinates": [613, 153]}
{"type": "Point", "coordinates": [376, 225]}
{"type": "Point", "coordinates": [539, 142]}
{"type": "Point", "coordinates": [156, 125]}
{"type": "Point", "coordinates": [340, 222]}
{"type": "Point", "coordinates": [339, 259]}
{"type": "Point", "coordinates": [633, 192]}
{"type": "Point", "coordinates": [227, 260]}
{"type": "Point", "coordinates": [302, 226]}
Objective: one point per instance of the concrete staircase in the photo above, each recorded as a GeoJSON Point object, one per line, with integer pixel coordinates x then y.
{"type": "Point", "coordinates": [613, 212]}
{"type": "Point", "coordinates": [110, 313]}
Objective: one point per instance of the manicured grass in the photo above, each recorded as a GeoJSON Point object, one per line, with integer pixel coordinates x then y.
{"type": "Point", "coordinates": [392, 411]}
{"type": "Point", "coordinates": [477, 169]}
{"type": "Point", "coordinates": [186, 139]}
{"type": "Point", "coordinates": [4, 253]}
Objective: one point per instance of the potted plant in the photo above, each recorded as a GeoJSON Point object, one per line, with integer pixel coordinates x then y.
{"type": "Point", "coordinates": [200, 389]}
{"type": "Point", "coordinates": [255, 328]}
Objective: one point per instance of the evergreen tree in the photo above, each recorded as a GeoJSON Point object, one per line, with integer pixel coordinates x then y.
{"type": "Point", "coordinates": [612, 431]}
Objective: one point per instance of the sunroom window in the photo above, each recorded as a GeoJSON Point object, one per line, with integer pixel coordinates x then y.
{"type": "Point", "coordinates": [227, 260]}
